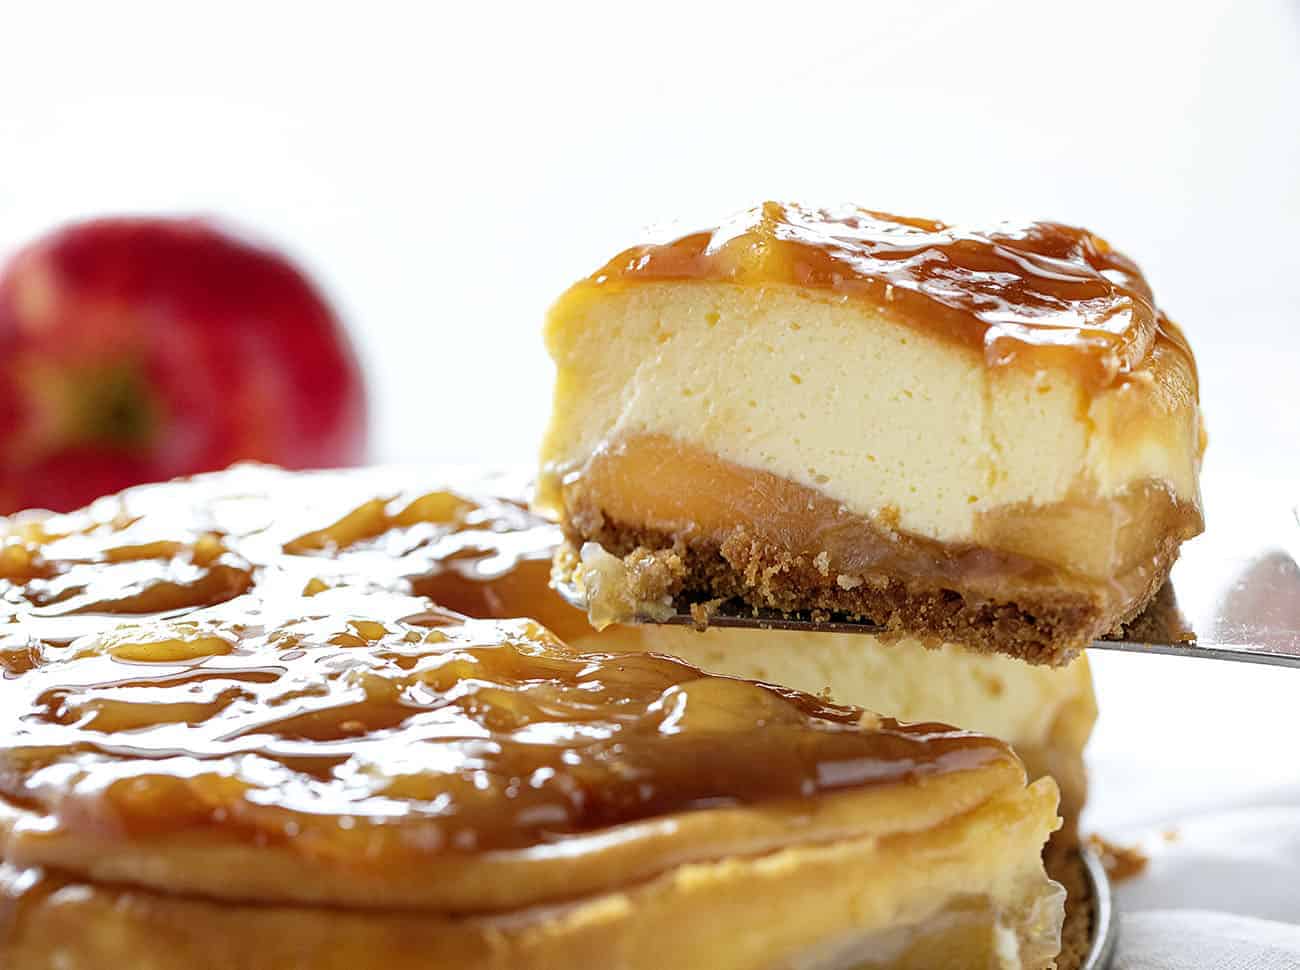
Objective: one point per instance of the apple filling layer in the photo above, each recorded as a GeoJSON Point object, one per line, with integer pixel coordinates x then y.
{"type": "Point", "coordinates": [1037, 581]}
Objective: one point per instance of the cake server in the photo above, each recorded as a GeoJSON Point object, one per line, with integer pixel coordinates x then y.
{"type": "Point", "coordinates": [1234, 594]}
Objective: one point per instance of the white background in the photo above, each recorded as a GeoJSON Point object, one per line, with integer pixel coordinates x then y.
{"type": "Point", "coordinates": [447, 169]}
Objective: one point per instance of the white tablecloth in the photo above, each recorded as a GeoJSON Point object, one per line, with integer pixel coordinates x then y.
{"type": "Point", "coordinates": [1198, 763]}
{"type": "Point", "coordinates": [1182, 939]}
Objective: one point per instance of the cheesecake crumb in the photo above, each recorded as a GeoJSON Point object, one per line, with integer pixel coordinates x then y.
{"type": "Point", "coordinates": [702, 613]}
{"type": "Point", "coordinates": [621, 590]}
{"type": "Point", "coordinates": [1121, 862]}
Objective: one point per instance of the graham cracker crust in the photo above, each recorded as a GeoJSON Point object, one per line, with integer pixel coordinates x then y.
{"type": "Point", "coordinates": [1071, 778]}
{"type": "Point", "coordinates": [1076, 931]}
{"type": "Point", "coordinates": [1044, 626]}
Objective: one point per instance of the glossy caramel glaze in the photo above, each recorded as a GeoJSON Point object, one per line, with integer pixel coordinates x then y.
{"type": "Point", "coordinates": [248, 653]}
{"type": "Point", "coordinates": [1037, 293]}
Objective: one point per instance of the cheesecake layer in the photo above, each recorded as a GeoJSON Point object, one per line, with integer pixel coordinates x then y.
{"type": "Point", "coordinates": [1027, 401]}
{"type": "Point", "coordinates": [903, 903]}
{"type": "Point", "coordinates": [853, 401]}
{"type": "Point", "coordinates": [320, 760]}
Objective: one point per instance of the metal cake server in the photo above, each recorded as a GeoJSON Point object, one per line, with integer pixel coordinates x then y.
{"type": "Point", "coordinates": [1234, 594]}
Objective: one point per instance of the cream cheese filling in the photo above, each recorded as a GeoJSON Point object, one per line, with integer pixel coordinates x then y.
{"type": "Point", "coordinates": [875, 414]}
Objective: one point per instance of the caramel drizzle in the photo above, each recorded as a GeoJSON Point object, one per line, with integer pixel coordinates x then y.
{"type": "Point", "coordinates": [323, 701]}
{"type": "Point", "coordinates": [1032, 293]}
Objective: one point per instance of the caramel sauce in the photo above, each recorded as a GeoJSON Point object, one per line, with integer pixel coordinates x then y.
{"type": "Point", "coordinates": [334, 700]}
{"type": "Point", "coordinates": [1038, 293]}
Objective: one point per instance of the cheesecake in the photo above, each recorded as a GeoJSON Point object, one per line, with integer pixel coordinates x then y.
{"type": "Point", "coordinates": [466, 539]}
{"type": "Point", "coordinates": [985, 436]}
{"type": "Point", "coordinates": [242, 731]}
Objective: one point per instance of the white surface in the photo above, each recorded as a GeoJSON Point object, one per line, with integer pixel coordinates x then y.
{"type": "Point", "coordinates": [446, 169]}
{"type": "Point", "coordinates": [1195, 762]}
{"type": "Point", "coordinates": [1183, 939]}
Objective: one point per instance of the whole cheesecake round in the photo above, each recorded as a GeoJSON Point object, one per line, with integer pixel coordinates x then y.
{"type": "Point", "coordinates": [464, 538]}
{"type": "Point", "coordinates": [242, 731]}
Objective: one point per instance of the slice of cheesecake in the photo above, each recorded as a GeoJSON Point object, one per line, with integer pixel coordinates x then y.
{"type": "Point", "coordinates": [983, 436]}
{"type": "Point", "coordinates": [234, 735]}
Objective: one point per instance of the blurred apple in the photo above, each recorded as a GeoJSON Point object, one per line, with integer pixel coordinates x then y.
{"type": "Point", "coordinates": [138, 349]}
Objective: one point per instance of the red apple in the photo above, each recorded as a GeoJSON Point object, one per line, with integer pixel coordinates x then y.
{"type": "Point", "coordinates": [139, 349]}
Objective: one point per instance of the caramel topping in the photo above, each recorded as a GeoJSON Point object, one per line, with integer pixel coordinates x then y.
{"type": "Point", "coordinates": [1041, 292]}
{"type": "Point", "coordinates": [188, 545]}
{"type": "Point", "coordinates": [328, 706]}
